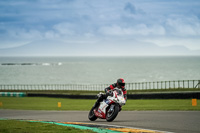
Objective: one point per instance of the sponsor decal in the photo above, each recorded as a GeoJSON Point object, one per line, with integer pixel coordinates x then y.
{"type": "Point", "coordinates": [97, 113]}
{"type": "Point", "coordinates": [104, 107]}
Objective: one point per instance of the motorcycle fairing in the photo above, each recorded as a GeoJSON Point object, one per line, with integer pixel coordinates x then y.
{"type": "Point", "coordinates": [101, 111]}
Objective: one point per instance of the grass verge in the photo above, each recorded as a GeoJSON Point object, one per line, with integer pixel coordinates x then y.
{"type": "Point", "coordinates": [39, 103]}
{"type": "Point", "coordinates": [14, 126]}
{"type": "Point", "coordinates": [84, 92]}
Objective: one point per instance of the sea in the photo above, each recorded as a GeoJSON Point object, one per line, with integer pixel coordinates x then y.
{"type": "Point", "coordinates": [97, 70]}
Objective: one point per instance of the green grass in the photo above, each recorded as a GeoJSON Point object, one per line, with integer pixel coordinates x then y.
{"type": "Point", "coordinates": [171, 104]}
{"type": "Point", "coordinates": [38, 103]}
{"type": "Point", "coordinates": [14, 126]}
{"type": "Point", "coordinates": [82, 92]}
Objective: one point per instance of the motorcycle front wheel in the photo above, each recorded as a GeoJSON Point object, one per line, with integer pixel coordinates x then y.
{"type": "Point", "coordinates": [111, 115]}
{"type": "Point", "coordinates": [91, 115]}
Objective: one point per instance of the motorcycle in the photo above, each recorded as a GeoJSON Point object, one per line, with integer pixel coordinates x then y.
{"type": "Point", "coordinates": [108, 108]}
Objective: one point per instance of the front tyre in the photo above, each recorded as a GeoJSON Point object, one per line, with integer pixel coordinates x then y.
{"type": "Point", "coordinates": [91, 115]}
{"type": "Point", "coordinates": [111, 115]}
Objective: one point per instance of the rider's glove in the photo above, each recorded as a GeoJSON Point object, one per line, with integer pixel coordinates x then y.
{"type": "Point", "coordinates": [109, 93]}
{"type": "Point", "coordinates": [100, 94]}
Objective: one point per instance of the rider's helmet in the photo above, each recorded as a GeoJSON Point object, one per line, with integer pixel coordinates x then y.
{"type": "Point", "coordinates": [121, 83]}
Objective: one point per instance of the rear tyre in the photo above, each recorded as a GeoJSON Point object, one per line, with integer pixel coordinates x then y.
{"type": "Point", "coordinates": [91, 115]}
{"type": "Point", "coordinates": [110, 116]}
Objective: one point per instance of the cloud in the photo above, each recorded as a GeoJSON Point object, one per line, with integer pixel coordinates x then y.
{"type": "Point", "coordinates": [130, 8]}
{"type": "Point", "coordinates": [183, 26]}
{"type": "Point", "coordinates": [137, 30]}
{"type": "Point", "coordinates": [65, 28]}
{"type": "Point", "coordinates": [164, 23]}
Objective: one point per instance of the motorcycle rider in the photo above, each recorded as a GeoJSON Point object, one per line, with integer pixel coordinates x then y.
{"type": "Point", "coordinates": [119, 84]}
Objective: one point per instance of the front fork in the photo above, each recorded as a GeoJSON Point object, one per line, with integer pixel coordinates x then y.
{"type": "Point", "coordinates": [111, 108]}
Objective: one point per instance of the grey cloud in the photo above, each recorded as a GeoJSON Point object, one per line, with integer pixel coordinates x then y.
{"type": "Point", "coordinates": [130, 8]}
{"type": "Point", "coordinates": [76, 20]}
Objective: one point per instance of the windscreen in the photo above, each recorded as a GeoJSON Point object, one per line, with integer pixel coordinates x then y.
{"type": "Point", "coordinates": [119, 92]}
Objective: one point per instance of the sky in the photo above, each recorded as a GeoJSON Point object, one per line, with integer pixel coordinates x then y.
{"type": "Point", "coordinates": [134, 22]}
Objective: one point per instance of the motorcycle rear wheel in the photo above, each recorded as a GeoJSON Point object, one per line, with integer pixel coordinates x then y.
{"type": "Point", "coordinates": [110, 116]}
{"type": "Point", "coordinates": [91, 115]}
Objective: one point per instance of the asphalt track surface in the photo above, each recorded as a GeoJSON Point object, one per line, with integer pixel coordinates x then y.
{"type": "Point", "coordinates": [170, 121]}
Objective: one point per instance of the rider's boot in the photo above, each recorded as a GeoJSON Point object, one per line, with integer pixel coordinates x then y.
{"type": "Point", "coordinates": [95, 105]}
{"type": "Point", "coordinates": [100, 98]}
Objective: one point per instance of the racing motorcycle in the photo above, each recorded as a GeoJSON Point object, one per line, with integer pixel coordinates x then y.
{"type": "Point", "coordinates": [108, 108]}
